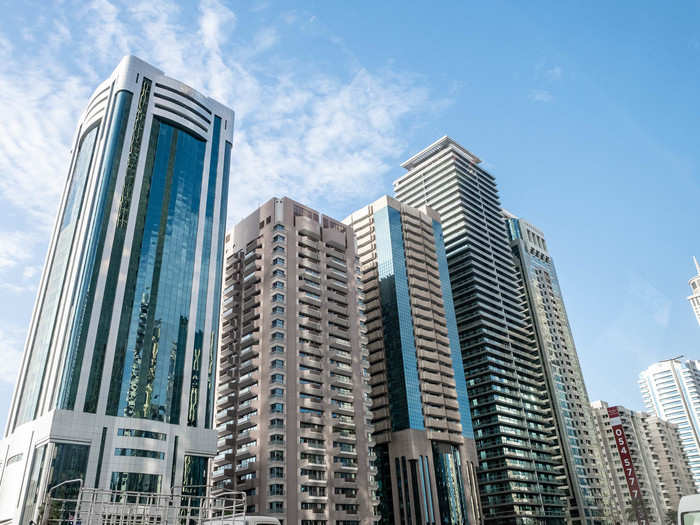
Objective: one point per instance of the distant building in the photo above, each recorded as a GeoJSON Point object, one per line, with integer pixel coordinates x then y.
{"type": "Point", "coordinates": [670, 461]}
{"type": "Point", "coordinates": [420, 408]}
{"type": "Point", "coordinates": [671, 390]}
{"type": "Point", "coordinates": [293, 405]}
{"type": "Point", "coordinates": [694, 297]}
{"type": "Point", "coordinates": [660, 467]}
{"type": "Point", "coordinates": [587, 490]}
{"type": "Point", "coordinates": [116, 385]}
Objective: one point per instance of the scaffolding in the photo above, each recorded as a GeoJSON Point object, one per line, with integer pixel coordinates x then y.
{"type": "Point", "coordinates": [70, 503]}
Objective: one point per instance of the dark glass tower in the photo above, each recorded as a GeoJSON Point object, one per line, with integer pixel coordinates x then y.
{"type": "Point", "coordinates": [116, 385]}
{"type": "Point", "coordinates": [520, 475]}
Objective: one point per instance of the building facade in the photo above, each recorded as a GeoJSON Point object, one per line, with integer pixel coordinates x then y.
{"type": "Point", "coordinates": [520, 472]}
{"type": "Point", "coordinates": [117, 381]}
{"type": "Point", "coordinates": [694, 297]}
{"type": "Point", "coordinates": [670, 461]}
{"type": "Point", "coordinates": [420, 409]}
{"type": "Point", "coordinates": [660, 467]}
{"type": "Point", "coordinates": [293, 405]}
{"type": "Point", "coordinates": [587, 490]}
{"type": "Point", "coordinates": [671, 390]}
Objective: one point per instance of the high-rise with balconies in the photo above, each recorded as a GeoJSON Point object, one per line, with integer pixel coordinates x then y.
{"type": "Point", "coordinates": [116, 385]}
{"type": "Point", "coordinates": [587, 490]}
{"type": "Point", "coordinates": [420, 409]}
{"type": "Point", "coordinates": [671, 390]}
{"type": "Point", "coordinates": [520, 472]}
{"type": "Point", "coordinates": [293, 405]}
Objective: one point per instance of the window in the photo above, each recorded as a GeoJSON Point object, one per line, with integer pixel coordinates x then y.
{"type": "Point", "coordinates": [277, 392]}
{"type": "Point", "coordinates": [277, 323]}
{"type": "Point", "coordinates": [278, 228]}
{"type": "Point", "coordinates": [313, 412]}
{"type": "Point", "coordinates": [139, 453]}
{"type": "Point", "coordinates": [278, 285]}
{"type": "Point", "coordinates": [278, 273]}
{"type": "Point", "coordinates": [278, 298]}
{"type": "Point", "coordinates": [317, 475]}
{"type": "Point", "coordinates": [277, 423]}
{"type": "Point", "coordinates": [277, 455]}
{"type": "Point", "coordinates": [276, 506]}
{"type": "Point", "coordinates": [276, 472]}
{"type": "Point", "coordinates": [278, 261]}
{"type": "Point", "coordinates": [277, 408]}
{"type": "Point", "coordinates": [277, 378]}
{"type": "Point", "coordinates": [276, 489]}
{"type": "Point", "coordinates": [277, 439]}
{"type": "Point", "coordinates": [277, 363]}
{"type": "Point", "coordinates": [278, 310]}
{"type": "Point", "coordinates": [278, 238]}
{"type": "Point", "coordinates": [277, 349]}
{"type": "Point", "coordinates": [278, 249]}
{"type": "Point", "coordinates": [314, 491]}
{"type": "Point", "coordinates": [277, 336]}
{"type": "Point", "coordinates": [131, 432]}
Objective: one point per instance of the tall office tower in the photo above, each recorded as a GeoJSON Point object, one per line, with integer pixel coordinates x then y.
{"type": "Point", "coordinates": [420, 409]}
{"type": "Point", "coordinates": [694, 297]}
{"type": "Point", "coordinates": [116, 383]}
{"type": "Point", "coordinates": [293, 403]}
{"type": "Point", "coordinates": [671, 390]}
{"type": "Point", "coordinates": [670, 461]}
{"type": "Point", "coordinates": [519, 471]}
{"type": "Point", "coordinates": [651, 445]}
{"type": "Point", "coordinates": [587, 490]}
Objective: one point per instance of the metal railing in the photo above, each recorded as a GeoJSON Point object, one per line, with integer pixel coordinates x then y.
{"type": "Point", "coordinates": [69, 503]}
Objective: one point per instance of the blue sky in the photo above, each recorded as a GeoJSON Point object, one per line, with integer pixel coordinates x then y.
{"type": "Point", "coordinates": [586, 113]}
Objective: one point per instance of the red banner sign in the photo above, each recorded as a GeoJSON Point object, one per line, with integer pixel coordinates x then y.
{"type": "Point", "coordinates": [627, 466]}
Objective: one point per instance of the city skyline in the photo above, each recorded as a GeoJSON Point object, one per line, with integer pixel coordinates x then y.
{"type": "Point", "coordinates": [623, 307]}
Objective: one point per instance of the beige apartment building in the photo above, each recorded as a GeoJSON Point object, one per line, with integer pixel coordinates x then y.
{"type": "Point", "coordinates": [420, 409]}
{"type": "Point", "coordinates": [670, 461]}
{"type": "Point", "coordinates": [659, 463]}
{"type": "Point", "coordinates": [293, 406]}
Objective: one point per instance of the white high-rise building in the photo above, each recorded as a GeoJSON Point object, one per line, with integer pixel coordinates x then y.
{"type": "Point", "coordinates": [116, 385]}
{"type": "Point", "coordinates": [671, 390]}
{"type": "Point", "coordinates": [694, 297]}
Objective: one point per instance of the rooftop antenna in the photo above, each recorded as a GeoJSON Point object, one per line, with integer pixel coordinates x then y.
{"type": "Point", "coordinates": [697, 265]}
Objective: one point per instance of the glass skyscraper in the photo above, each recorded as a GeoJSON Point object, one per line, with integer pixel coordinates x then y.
{"type": "Point", "coordinates": [671, 390]}
{"type": "Point", "coordinates": [520, 473]}
{"type": "Point", "coordinates": [420, 409]}
{"type": "Point", "coordinates": [116, 384]}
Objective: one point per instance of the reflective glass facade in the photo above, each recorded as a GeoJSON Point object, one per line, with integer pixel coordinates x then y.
{"type": "Point", "coordinates": [55, 281]}
{"type": "Point", "coordinates": [404, 390]}
{"type": "Point", "coordinates": [98, 231]}
{"type": "Point", "coordinates": [149, 367]}
{"type": "Point", "coordinates": [204, 279]}
{"type": "Point", "coordinates": [122, 343]}
{"type": "Point", "coordinates": [448, 478]}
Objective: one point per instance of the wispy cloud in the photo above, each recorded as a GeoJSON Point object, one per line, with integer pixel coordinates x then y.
{"type": "Point", "coordinates": [540, 95]}
{"type": "Point", "coordinates": [325, 137]}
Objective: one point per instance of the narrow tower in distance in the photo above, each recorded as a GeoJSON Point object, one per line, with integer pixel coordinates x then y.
{"type": "Point", "coordinates": [670, 390]}
{"type": "Point", "coordinates": [116, 384]}
{"type": "Point", "coordinates": [694, 298]}
{"type": "Point", "coordinates": [588, 492]}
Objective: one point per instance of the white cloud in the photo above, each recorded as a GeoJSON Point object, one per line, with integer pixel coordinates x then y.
{"type": "Point", "coordinates": [11, 342]}
{"type": "Point", "coordinates": [540, 95]}
{"type": "Point", "coordinates": [15, 249]}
